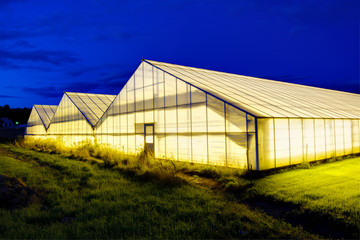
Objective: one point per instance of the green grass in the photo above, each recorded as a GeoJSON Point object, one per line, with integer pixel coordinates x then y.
{"type": "Point", "coordinates": [85, 199]}
{"type": "Point", "coordinates": [331, 190]}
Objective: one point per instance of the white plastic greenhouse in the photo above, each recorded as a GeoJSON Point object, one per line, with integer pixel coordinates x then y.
{"type": "Point", "coordinates": [202, 116]}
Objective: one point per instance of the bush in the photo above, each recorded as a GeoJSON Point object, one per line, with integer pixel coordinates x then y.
{"type": "Point", "coordinates": [143, 164]}
{"type": "Point", "coordinates": [304, 165]}
{"type": "Point", "coordinates": [48, 145]}
{"type": "Point", "coordinates": [80, 152]}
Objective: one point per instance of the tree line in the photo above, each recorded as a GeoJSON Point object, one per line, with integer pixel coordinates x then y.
{"type": "Point", "coordinates": [17, 115]}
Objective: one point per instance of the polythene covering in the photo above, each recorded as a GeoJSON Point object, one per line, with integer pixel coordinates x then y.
{"type": "Point", "coordinates": [268, 98]}
{"type": "Point", "coordinates": [209, 117]}
{"type": "Point", "coordinates": [40, 118]}
{"type": "Point", "coordinates": [284, 142]}
{"type": "Point", "coordinates": [91, 105]}
{"type": "Point", "coordinates": [76, 115]}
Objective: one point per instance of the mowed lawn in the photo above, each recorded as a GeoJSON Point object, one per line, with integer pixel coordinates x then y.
{"type": "Point", "coordinates": [329, 188]}
{"type": "Point", "coordinates": [85, 200]}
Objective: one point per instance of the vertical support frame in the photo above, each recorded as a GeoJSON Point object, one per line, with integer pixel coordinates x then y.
{"type": "Point", "coordinates": [289, 141]}
{"type": "Point", "coordinates": [256, 143]}
{"type": "Point", "coordinates": [225, 135]}
{"type": "Point", "coordinates": [207, 128]}
{"type": "Point", "coordinates": [274, 142]}
{"type": "Point", "coordinates": [247, 140]}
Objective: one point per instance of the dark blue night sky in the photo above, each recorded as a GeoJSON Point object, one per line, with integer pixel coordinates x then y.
{"type": "Point", "coordinates": [48, 47]}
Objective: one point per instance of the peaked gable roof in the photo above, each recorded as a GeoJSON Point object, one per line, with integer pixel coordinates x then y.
{"type": "Point", "coordinates": [268, 98]}
{"type": "Point", "coordinates": [91, 105]}
{"type": "Point", "coordinates": [45, 112]}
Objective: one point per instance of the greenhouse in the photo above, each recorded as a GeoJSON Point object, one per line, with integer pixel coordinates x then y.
{"type": "Point", "coordinates": [39, 119]}
{"type": "Point", "coordinates": [202, 116]}
{"type": "Point", "coordinates": [76, 116]}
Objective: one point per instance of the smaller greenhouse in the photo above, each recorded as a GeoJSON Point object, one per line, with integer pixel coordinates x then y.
{"type": "Point", "coordinates": [39, 120]}
{"type": "Point", "coordinates": [209, 117]}
{"type": "Point", "coordinates": [76, 116]}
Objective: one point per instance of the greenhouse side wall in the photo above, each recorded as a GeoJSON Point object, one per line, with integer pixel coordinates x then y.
{"type": "Point", "coordinates": [184, 122]}
{"type": "Point", "coordinates": [288, 141]}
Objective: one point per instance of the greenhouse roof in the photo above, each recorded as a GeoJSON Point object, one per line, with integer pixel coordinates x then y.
{"type": "Point", "coordinates": [92, 106]}
{"type": "Point", "coordinates": [46, 112]}
{"type": "Point", "coordinates": [268, 98]}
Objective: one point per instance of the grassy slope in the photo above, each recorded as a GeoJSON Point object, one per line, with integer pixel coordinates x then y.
{"type": "Point", "coordinates": [86, 201]}
{"type": "Point", "coordinates": [330, 189]}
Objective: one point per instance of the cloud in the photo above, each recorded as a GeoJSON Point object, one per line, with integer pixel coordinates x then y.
{"type": "Point", "coordinates": [81, 86]}
{"type": "Point", "coordinates": [109, 84]}
{"type": "Point", "coordinates": [5, 3]}
{"type": "Point", "coordinates": [22, 44]}
{"type": "Point", "coordinates": [11, 58]}
{"type": "Point", "coordinates": [302, 15]}
{"type": "Point", "coordinates": [48, 91]}
{"type": "Point", "coordinates": [122, 75]}
{"type": "Point", "coordinates": [7, 96]}
{"type": "Point", "coordinates": [9, 34]}
{"type": "Point", "coordinates": [100, 70]}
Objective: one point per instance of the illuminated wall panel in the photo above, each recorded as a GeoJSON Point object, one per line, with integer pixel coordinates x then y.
{"type": "Point", "coordinates": [199, 126]}
{"type": "Point", "coordinates": [266, 142]}
{"type": "Point", "coordinates": [236, 137]}
{"type": "Point", "coordinates": [109, 133]}
{"type": "Point", "coordinates": [320, 141]}
{"type": "Point", "coordinates": [131, 146]}
{"type": "Point", "coordinates": [347, 137]}
{"type": "Point", "coordinates": [309, 139]}
{"type": "Point", "coordinates": [355, 136]}
{"type": "Point", "coordinates": [139, 129]}
{"type": "Point", "coordinates": [216, 131]}
{"type": "Point", "coordinates": [170, 90]}
{"type": "Point", "coordinates": [296, 141]}
{"type": "Point", "coordinates": [282, 142]}
{"type": "Point", "coordinates": [123, 132]}
{"type": "Point", "coordinates": [171, 133]}
{"type": "Point", "coordinates": [339, 137]}
{"type": "Point", "coordinates": [251, 140]}
{"type": "Point", "coordinates": [184, 132]}
{"type": "Point", "coordinates": [330, 138]}
{"type": "Point", "coordinates": [139, 89]}
{"type": "Point", "coordinates": [116, 128]}
{"type": "Point", "coordinates": [160, 143]}
{"type": "Point", "coordinates": [183, 121]}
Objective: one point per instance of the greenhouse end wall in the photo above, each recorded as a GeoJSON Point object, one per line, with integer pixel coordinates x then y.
{"type": "Point", "coordinates": [288, 141]}
{"type": "Point", "coordinates": [69, 124]}
{"type": "Point", "coordinates": [187, 124]}
{"type": "Point", "coordinates": [34, 125]}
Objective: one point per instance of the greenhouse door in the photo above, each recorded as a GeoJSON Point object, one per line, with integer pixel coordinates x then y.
{"type": "Point", "coordinates": [149, 136]}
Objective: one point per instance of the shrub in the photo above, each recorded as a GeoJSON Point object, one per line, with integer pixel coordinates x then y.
{"type": "Point", "coordinates": [80, 152]}
{"type": "Point", "coordinates": [49, 145]}
{"type": "Point", "coordinates": [304, 165]}
{"type": "Point", "coordinates": [143, 164]}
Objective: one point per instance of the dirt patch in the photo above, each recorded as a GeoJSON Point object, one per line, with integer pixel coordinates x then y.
{"type": "Point", "coordinates": [15, 194]}
{"type": "Point", "coordinates": [201, 182]}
